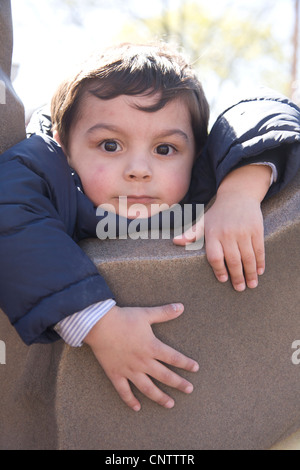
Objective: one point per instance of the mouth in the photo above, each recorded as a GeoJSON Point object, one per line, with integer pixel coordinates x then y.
{"type": "Point", "coordinates": [139, 206]}
{"type": "Point", "coordinates": [143, 199]}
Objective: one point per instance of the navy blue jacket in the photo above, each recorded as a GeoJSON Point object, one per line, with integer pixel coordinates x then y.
{"type": "Point", "coordinates": [45, 276]}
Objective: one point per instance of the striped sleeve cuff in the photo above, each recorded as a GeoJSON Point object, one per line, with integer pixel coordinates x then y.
{"type": "Point", "coordinates": [74, 328]}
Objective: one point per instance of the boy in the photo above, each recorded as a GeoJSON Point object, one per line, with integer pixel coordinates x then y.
{"type": "Point", "coordinates": [132, 123]}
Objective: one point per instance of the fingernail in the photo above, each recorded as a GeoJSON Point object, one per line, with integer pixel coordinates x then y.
{"type": "Point", "coordinates": [189, 389]}
{"type": "Point", "coordinates": [252, 284]}
{"type": "Point", "coordinates": [260, 271]}
{"type": "Point", "coordinates": [223, 278]}
{"type": "Point", "coordinates": [170, 403]}
{"type": "Point", "coordinates": [195, 368]}
{"type": "Point", "coordinates": [136, 408]}
{"type": "Point", "coordinates": [240, 287]}
{"type": "Point", "coordinates": [177, 307]}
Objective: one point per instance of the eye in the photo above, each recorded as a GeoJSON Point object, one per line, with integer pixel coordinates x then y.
{"type": "Point", "coordinates": [110, 146]}
{"type": "Point", "coordinates": [165, 149]}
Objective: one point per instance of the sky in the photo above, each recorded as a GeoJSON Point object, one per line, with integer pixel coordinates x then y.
{"type": "Point", "coordinates": [48, 43]}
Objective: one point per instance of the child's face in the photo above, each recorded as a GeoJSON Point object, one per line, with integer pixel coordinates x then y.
{"type": "Point", "coordinates": [118, 150]}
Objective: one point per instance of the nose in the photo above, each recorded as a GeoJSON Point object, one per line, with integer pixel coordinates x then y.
{"type": "Point", "coordinates": [138, 169]}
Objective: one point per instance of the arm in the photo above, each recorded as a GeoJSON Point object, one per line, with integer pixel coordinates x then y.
{"type": "Point", "coordinates": [258, 129]}
{"type": "Point", "coordinates": [40, 283]}
{"type": "Point", "coordinates": [261, 128]}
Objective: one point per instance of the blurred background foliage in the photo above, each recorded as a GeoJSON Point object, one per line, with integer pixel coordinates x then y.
{"type": "Point", "coordinates": [219, 44]}
{"type": "Point", "coordinates": [232, 44]}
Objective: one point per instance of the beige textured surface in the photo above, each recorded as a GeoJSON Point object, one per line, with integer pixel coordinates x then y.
{"type": "Point", "coordinates": [12, 127]}
{"type": "Point", "coordinates": [246, 393]}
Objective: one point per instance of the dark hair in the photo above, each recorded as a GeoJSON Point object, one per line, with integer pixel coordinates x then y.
{"type": "Point", "coordinates": [133, 69]}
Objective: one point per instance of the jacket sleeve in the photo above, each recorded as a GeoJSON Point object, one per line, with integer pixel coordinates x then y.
{"type": "Point", "coordinates": [44, 276]}
{"type": "Point", "coordinates": [265, 127]}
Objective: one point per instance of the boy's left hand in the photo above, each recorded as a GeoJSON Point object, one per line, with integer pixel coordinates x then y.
{"type": "Point", "coordinates": [233, 228]}
{"type": "Point", "coordinates": [233, 235]}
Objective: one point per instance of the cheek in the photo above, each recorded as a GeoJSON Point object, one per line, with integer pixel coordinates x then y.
{"type": "Point", "coordinates": [96, 184]}
{"type": "Point", "coordinates": [176, 186]}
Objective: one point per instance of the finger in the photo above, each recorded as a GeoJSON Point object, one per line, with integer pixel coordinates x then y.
{"type": "Point", "coordinates": [235, 266]}
{"type": "Point", "coordinates": [163, 352]}
{"type": "Point", "coordinates": [151, 391]}
{"type": "Point", "coordinates": [259, 250]}
{"type": "Point", "coordinates": [123, 388]}
{"type": "Point", "coordinates": [164, 313]}
{"type": "Point", "coordinates": [192, 234]}
{"type": "Point", "coordinates": [170, 378]}
{"type": "Point", "coordinates": [249, 262]}
{"type": "Point", "coordinates": [215, 257]}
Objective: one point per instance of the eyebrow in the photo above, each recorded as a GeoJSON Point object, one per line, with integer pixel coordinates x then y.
{"type": "Point", "coordinates": [166, 133]}
{"type": "Point", "coordinates": [170, 132]}
{"type": "Point", "coordinates": [102, 126]}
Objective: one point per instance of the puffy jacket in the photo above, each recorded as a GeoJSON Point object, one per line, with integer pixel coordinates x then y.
{"type": "Point", "coordinates": [45, 276]}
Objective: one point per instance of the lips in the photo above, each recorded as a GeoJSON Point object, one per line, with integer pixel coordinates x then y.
{"type": "Point", "coordinates": [143, 199]}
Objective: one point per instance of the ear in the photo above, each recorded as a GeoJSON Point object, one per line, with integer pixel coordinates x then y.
{"type": "Point", "coordinates": [56, 137]}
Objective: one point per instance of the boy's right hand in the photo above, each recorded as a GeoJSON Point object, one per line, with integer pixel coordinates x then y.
{"type": "Point", "coordinates": [127, 349]}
